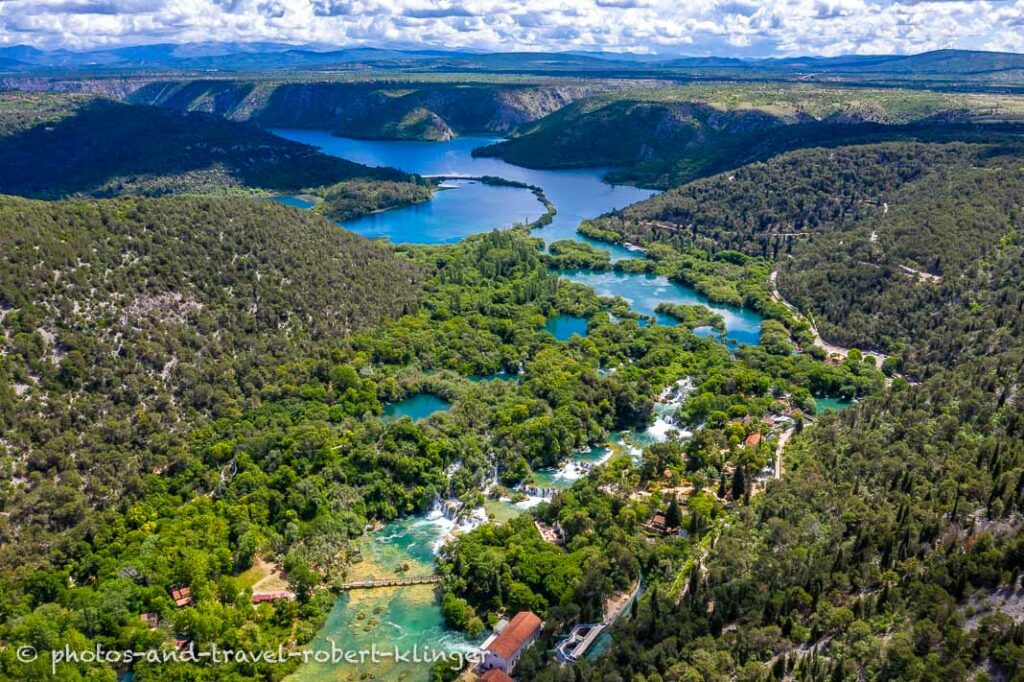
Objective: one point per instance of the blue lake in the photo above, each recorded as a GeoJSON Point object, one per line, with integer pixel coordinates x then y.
{"type": "Point", "coordinates": [409, 614]}
{"type": "Point", "coordinates": [578, 194]}
{"type": "Point", "coordinates": [416, 407]}
{"type": "Point", "coordinates": [295, 202]}
{"type": "Point", "coordinates": [562, 327]}
{"type": "Point", "coordinates": [459, 209]}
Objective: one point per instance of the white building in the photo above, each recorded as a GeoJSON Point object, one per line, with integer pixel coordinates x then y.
{"type": "Point", "coordinates": [502, 650]}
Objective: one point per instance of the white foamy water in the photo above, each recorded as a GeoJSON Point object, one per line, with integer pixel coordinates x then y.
{"type": "Point", "coordinates": [663, 427]}
{"type": "Point", "coordinates": [449, 525]}
{"type": "Point", "coordinates": [665, 423]}
{"type": "Point", "coordinates": [530, 501]}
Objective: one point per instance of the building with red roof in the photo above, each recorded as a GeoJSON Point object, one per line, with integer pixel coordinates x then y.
{"type": "Point", "coordinates": [495, 675]}
{"type": "Point", "coordinates": [182, 596]}
{"type": "Point", "coordinates": [502, 651]}
{"type": "Point", "coordinates": [264, 597]}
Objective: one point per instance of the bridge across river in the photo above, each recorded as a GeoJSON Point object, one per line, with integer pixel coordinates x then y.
{"type": "Point", "coordinates": [372, 583]}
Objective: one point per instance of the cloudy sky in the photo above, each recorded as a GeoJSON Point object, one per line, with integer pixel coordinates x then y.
{"type": "Point", "coordinates": [690, 27]}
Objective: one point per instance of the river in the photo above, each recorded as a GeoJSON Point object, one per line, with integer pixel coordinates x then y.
{"type": "Point", "coordinates": [578, 194]}
{"type": "Point", "coordinates": [403, 616]}
{"type": "Point", "coordinates": [388, 618]}
{"type": "Point", "coordinates": [468, 208]}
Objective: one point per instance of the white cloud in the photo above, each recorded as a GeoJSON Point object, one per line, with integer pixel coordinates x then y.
{"type": "Point", "coordinates": [725, 27]}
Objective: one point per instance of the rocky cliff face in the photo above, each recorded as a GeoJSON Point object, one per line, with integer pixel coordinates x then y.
{"type": "Point", "coordinates": [386, 111]}
{"type": "Point", "coordinates": [117, 88]}
{"type": "Point", "coordinates": [394, 110]}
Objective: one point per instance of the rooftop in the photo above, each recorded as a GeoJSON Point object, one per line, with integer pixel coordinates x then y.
{"type": "Point", "coordinates": [182, 596]}
{"type": "Point", "coordinates": [495, 675]}
{"type": "Point", "coordinates": [525, 625]}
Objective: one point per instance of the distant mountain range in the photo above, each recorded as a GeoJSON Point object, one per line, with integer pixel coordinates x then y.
{"type": "Point", "coordinates": [275, 56]}
{"type": "Point", "coordinates": [229, 56]}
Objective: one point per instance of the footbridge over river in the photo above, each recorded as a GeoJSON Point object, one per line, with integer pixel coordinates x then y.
{"type": "Point", "coordinates": [372, 583]}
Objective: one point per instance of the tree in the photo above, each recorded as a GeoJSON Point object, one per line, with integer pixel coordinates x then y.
{"type": "Point", "coordinates": [674, 516]}
{"type": "Point", "coordinates": [739, 484]}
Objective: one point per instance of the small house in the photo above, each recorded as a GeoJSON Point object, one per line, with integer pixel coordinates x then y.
{"type": "Point", "coordinates": [263, 597]}
{"type": "Point", "coordinates": [150, 620]}
{"type": "Point", "coordinates": [753, 440]}
{"type": "Point", "coordinates": [182, 596]}
{"type": "Point", "coordinates": [657, 523]}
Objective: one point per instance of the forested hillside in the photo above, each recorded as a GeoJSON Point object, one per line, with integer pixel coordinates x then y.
{"type": "Point", "coordinates": [126, 322]}
{"type": "Point", "coordinates": [667, 136]}
{"type": "Point", "coordinates": [932, 276]}
{"type": "Point", "coordinates": [198, 391]}
{"type": "Point", "coordinates": [55, 146]}
{"type": "Point", "coordinates": [403, 109]}
{"type": "Point", "coordinates": [22, 110]}
{"type": "Point", "coordinates": [295, 459]}
{"type": "Point", "coordinates": [883, 554]}
{"type": "Point", "coordinates": [882, 245]}
{"type": "Point", "coordinates": [892, 548]}
{"type": "Point", "coordinates": [763, 209]}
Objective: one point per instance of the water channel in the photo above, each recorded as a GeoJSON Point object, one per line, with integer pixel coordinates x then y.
{"type": "Point", "coordinates": [407, 615]}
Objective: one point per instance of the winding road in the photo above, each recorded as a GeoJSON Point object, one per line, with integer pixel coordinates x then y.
{"type": "Point", "coordinates": [829, 348]}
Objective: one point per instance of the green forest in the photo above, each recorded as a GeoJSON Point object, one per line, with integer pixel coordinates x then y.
{"type": "Point", "coordinates": [56, 146]}
{"type": "Point", "coordinates": [874, 242]}
{"type": "Point", "coordinates": [198, 383]}
{"type": "Point", "coordinates": [666, 136]}
{"type": "Point", "coordinates": [289, 458]}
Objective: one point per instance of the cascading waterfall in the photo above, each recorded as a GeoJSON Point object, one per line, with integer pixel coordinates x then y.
{"type": "Point", "coordinates": [670, 400]}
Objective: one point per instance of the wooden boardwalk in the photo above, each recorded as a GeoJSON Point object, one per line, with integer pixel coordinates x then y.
{"type": "Point", "coordinates": [391, 582]}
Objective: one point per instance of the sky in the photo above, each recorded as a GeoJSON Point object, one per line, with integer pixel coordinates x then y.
{"type": "Point", "coordinates": [741, 28]}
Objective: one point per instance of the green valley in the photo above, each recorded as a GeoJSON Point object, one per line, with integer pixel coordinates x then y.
{"type": "Point", "coordinates": [761, 425]}
{"type": "Point", "coordinates": [664, 137]}
{"type": "Point", "coordinates": [55, 146]}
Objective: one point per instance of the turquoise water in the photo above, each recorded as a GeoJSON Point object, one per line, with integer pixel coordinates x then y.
{"type": "Point", "coordinates": [410, 614]}
{"type": "Point", "coordinates": [575, 469]}
{"type": "Point", "coordinates": [644, 292]}
{"type": "Point", "coordinates": [462, 208]}
{"type": "Point", "coordinates": [405, 616]}
{"type": "Point", "coordinates": [416, 407]}
{"type": "Point", "coordinates": [832, 404]}
{"type": "Point", "coordinates": [578, 194]}
{"type": "Point", "coordinates": [562, 327]}
{"type": "Point", "coordinates": [497, 376]}
{"type": "Point", "coordinates": [401, 617]}
{"type": "Point", "coordinates": [296, 202]}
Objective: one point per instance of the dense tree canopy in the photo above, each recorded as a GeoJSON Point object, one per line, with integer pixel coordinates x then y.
{"type": "Point", "coordinates": [52, 146]}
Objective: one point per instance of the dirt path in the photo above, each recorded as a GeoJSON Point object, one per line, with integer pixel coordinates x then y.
{"type": "Point", "coordinates": [783, 439]}
{"type": "Point", "coordinates": [922, 275]}
{"type": "Point", "coordinates": [273, 581]}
